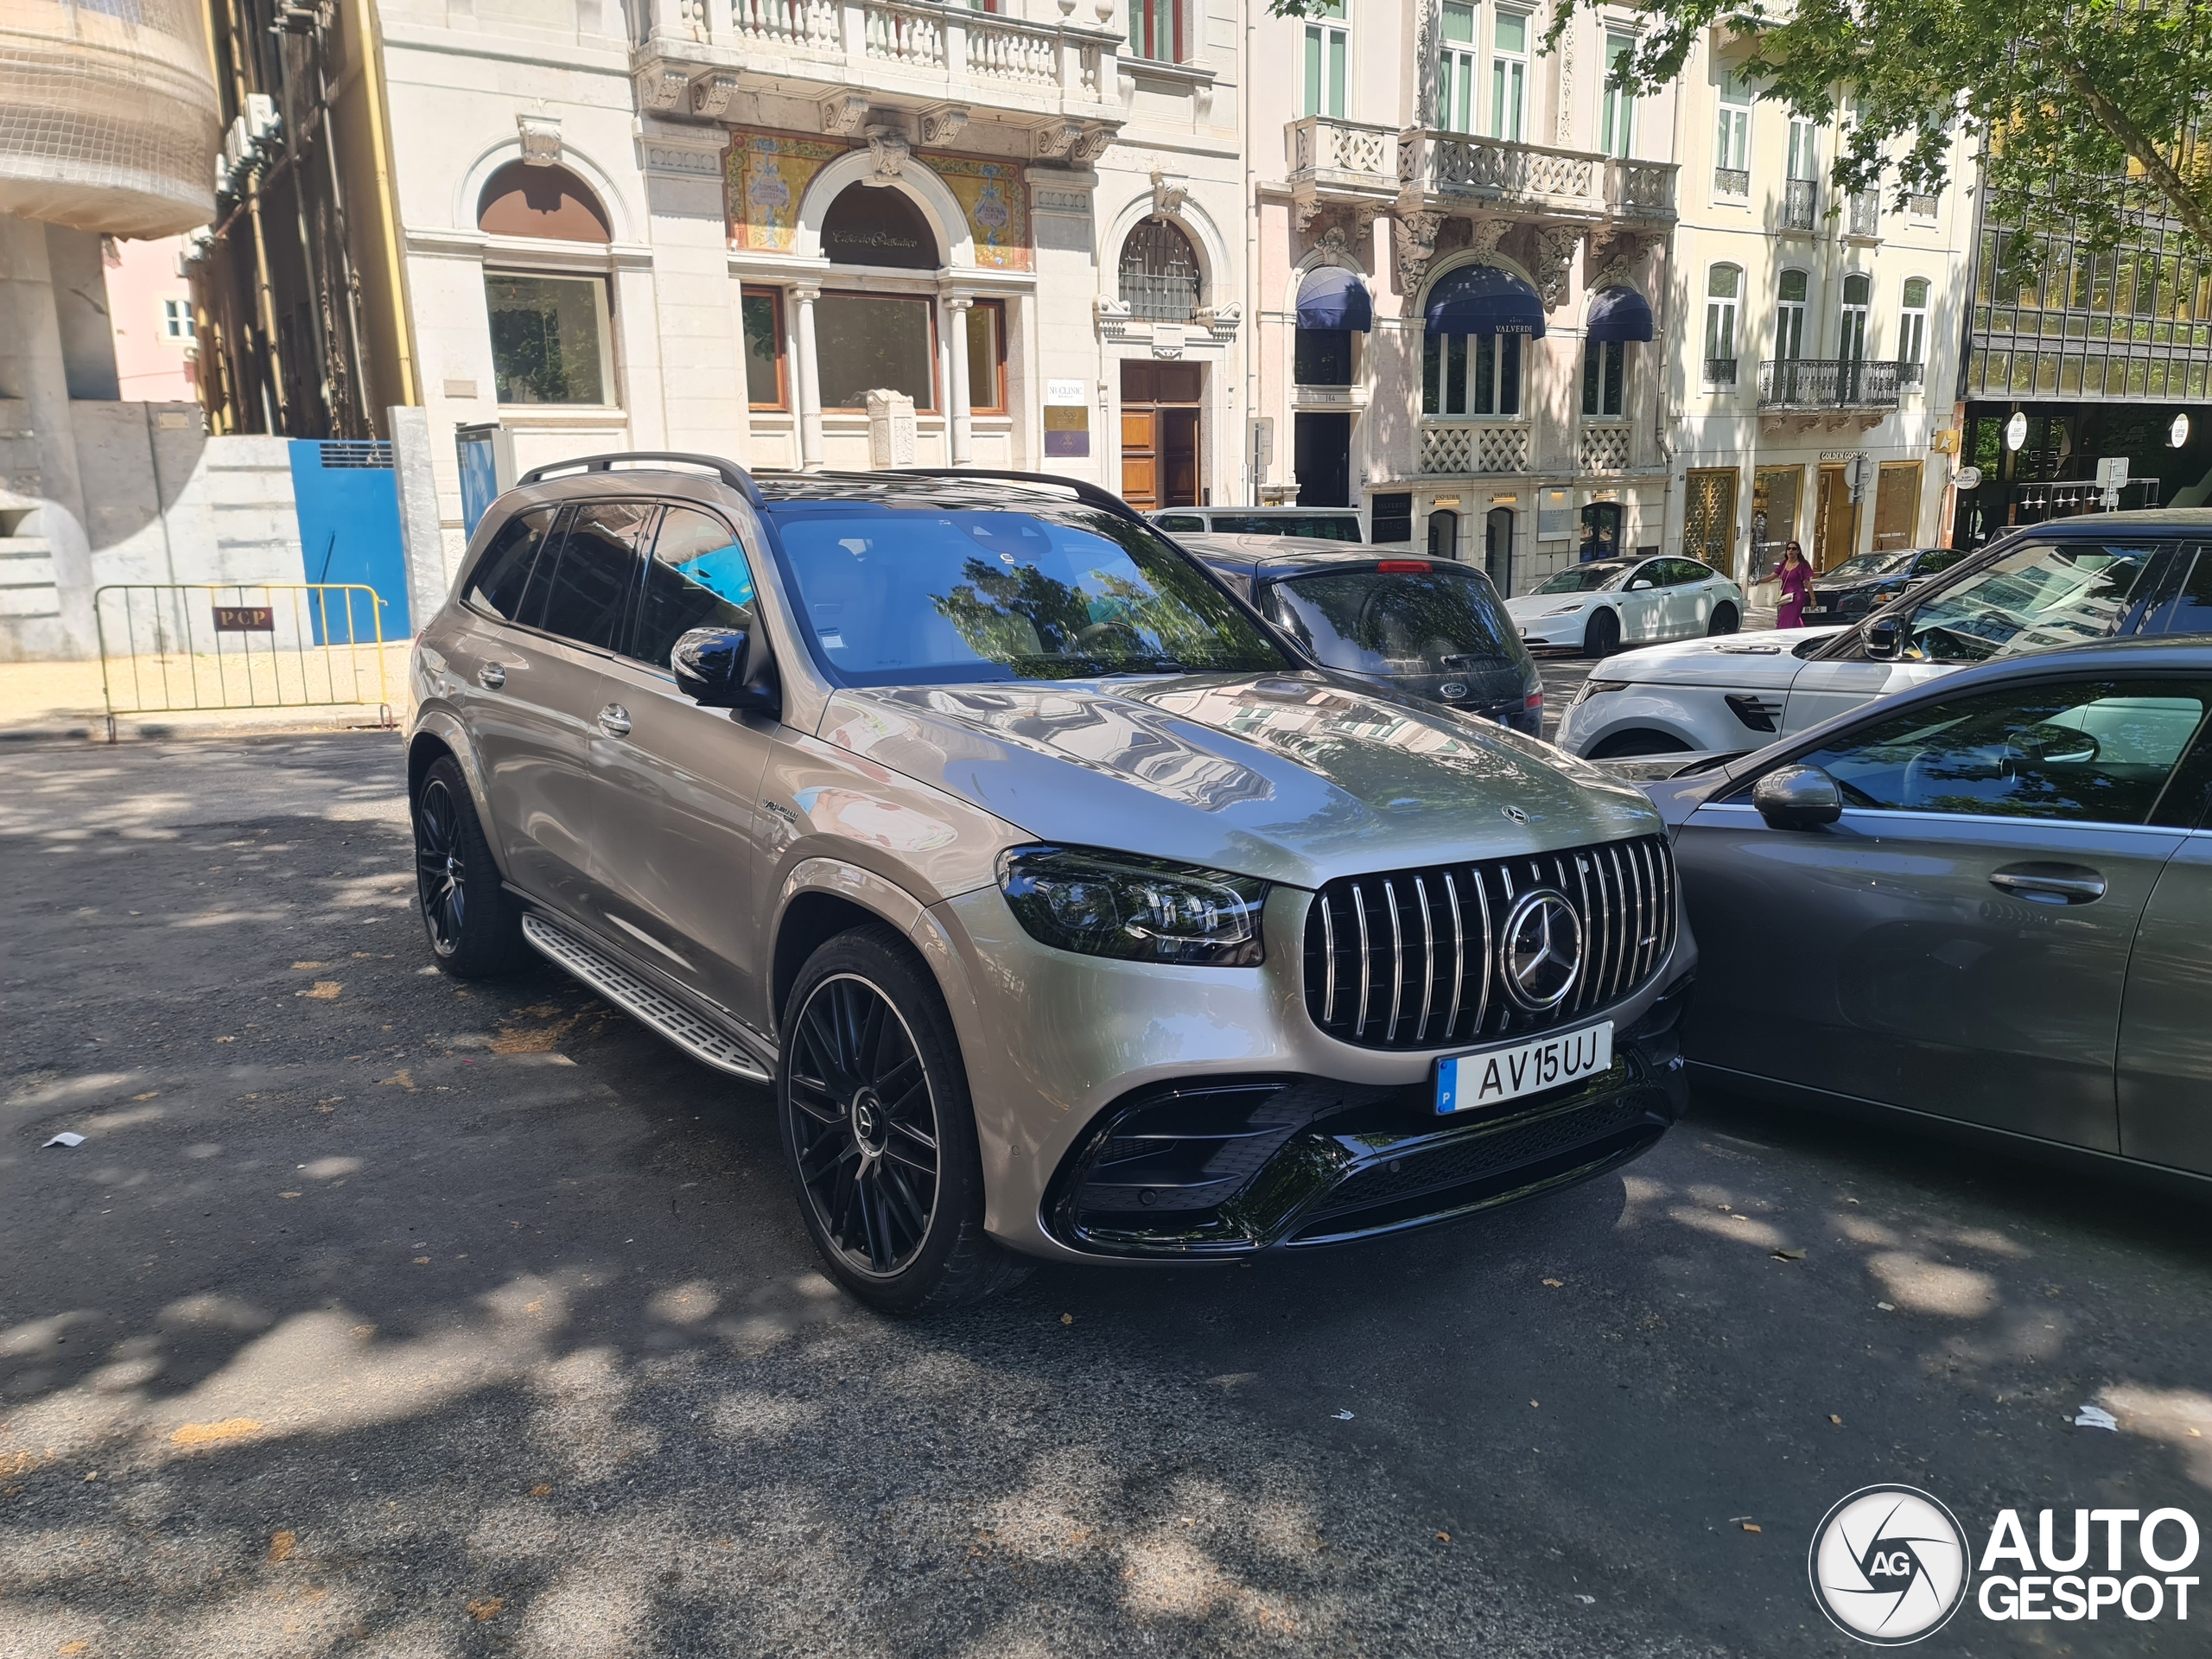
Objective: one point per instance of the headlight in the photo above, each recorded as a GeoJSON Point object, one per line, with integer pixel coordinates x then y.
{"type": "Point", "coordinates": [1138, 909]}
{"type": "Point", "coordinates": [1566, 610]}
{"type": "Point", "coordinates": [1597, 688]}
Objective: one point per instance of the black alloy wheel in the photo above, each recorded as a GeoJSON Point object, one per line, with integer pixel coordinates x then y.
{"type": "Point", "coordinates": [441, 873]}
{"type": "Point", "coordinates": [864, 1126]}
{"type": "Point", "coordinates": [872, 1099]}
{"type": "Point", "coordinates": [474, 926]}
{"type": "Point", "coordinates": [1602, 638]}
{"type": "Point", "coordinates": [1724, 621]}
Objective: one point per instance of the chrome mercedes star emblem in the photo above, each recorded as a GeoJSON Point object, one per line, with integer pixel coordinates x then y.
{"type": "Point", "coordinates": [1514, 813]}
{"type": "Point", "coordinates": [1541, 955]}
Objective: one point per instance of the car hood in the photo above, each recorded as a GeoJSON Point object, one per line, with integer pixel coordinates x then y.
{"type": "Point", "coordinates": [1766, 661]}
{"type": "Point", "coordinates": [1295, 778]}
{"type": "Point", "coordinates": [1530, 605]}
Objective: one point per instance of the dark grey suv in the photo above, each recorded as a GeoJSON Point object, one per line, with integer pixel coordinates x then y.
{"type": "Point", "coordinates": [1067, 911]}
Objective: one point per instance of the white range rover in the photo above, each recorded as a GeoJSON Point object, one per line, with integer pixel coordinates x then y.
{"type": "Point", "coordinates": [2062, 583]}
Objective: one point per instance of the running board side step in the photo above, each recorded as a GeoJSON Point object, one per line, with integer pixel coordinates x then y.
{"type": "Point", "coordinates": [643, 1002]}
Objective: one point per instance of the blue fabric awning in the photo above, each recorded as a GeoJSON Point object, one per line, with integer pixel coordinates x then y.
{"type": "Point", "coordinates": [1619, 314]}
{"type": "Point", "coordinates": [1332, 297]}
{"type": "Point", "coordinates": [1484, 300]}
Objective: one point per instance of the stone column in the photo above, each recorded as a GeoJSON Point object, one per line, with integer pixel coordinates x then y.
{"type": "Point", "coordinates": [809, 381]}
{"type": "Point", "coordinates": [33, 372]}
{"type": "Point", "coordinates": [957, 308]}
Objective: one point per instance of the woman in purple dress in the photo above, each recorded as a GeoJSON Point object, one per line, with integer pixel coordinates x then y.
{"type": "Point", "coordinates": [1796, 577]}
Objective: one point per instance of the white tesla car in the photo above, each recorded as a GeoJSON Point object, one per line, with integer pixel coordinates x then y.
{"type": "Point", "coordinates": [1593, 609]}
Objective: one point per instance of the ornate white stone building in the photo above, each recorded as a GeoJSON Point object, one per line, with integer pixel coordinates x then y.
{"type": "Point", "coordinates": [1465, 248]}
{"type": "Point", "coordinates": [716, 225]}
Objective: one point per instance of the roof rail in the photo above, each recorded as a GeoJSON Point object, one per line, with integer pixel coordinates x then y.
{"type": "Point", "coordinates": [1089, 493]}
{"type": "Point", "coordinates": [729, 472]}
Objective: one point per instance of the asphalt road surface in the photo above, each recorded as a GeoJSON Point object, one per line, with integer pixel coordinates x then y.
{"type": "Point", "coordinates": [379, 1315]}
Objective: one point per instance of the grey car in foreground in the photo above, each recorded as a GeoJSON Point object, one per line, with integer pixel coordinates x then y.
{"type": "Point", "coordinates": [1986, 903]}
{"type": "Point", "coordinates": [1067, 911]}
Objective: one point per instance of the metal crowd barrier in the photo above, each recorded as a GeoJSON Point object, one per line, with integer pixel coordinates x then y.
{"type": "Point", "coordinates": [171, 647]}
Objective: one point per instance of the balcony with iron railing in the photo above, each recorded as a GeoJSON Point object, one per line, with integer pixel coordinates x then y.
{"type": "Point", "coordinates": [1862, 216]}
{"type": "Point", "coordinates": [1801, 204]}
{"type": "Point", "coordinates": [1449, 171]}
{"type": "Point", "coordinates": [1734, 182]}
{"type": "Point", "coordinates": [953, 65]}
{"type": "Point", "coordinates": [1827, 383]}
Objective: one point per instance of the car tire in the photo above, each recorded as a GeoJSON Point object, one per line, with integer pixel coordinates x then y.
{"type": "Point", "coordinates": [1602, 638]}
{"type": "Point", "coordinates": [879, 1135]}
{"type": "Point", "coordinates": [1630, 745]}
{"type": "Point", "coordinates": [1724, 621]}
{"type": "Point", "coordinates": [473, 924]}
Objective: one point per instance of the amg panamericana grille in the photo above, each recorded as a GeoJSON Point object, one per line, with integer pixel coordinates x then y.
{"type": "Point", "coordinates": [1414, 958]}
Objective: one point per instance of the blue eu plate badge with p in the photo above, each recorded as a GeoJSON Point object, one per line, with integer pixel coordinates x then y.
{"type": "Point", "coordinates": [1466, 1081]}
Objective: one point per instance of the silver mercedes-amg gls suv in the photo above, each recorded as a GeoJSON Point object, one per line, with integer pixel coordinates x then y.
{"type": "Point", "coordinates": [1067, 910]}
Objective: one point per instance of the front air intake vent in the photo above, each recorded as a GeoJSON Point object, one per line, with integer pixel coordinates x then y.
{"type": "Point", "coordinates": [1460, 953]}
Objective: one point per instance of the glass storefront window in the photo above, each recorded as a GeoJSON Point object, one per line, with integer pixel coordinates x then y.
{"type": "Point", "coordinates": [549, 339]}
{"type": "Point", "coordinates": [867, 341]}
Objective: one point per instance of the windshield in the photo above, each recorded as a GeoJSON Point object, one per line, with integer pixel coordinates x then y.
{"type": "Point", "coordinates": [934, 596]}
{"type": "Point", "coordinates": [1869, 564]}
{"type": "Point", "coordinates": [1587, 578]}
{"type": "Point", "coordinates": [1441, 620]}
{"type": "Point", "coordinates": [2036, 598]}
{"type": "Point", "coordinates": [1324, 526]}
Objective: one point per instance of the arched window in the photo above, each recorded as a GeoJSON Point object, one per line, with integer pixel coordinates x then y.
{"type": "Point", "coordinates": [878, 224]}
{"type": "Point", "coordinates": [1789, 316]}
{"type": "Point", "coordinates": [1160, 273]}
{"type": "Point", "coordinates": [520, 200]}
{"type": "Point", "coordinates": [1852, 346]}
{"type": "Point", "coordinates": [1912, 332]}
{"type": "Point", "coordinates": [550, 339]}
{"type": "Point", "coordinates": [1724, 290]}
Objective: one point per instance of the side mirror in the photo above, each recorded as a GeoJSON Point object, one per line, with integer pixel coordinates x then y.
{"type": "Point", "coordinates": [1797, 797]}
{"type": "Point", "coordinates": [1884, 640]}
{"type": "Point", "coordinates": [715, 668]}
{"type": "Point", "coordinates": [1639, 584]}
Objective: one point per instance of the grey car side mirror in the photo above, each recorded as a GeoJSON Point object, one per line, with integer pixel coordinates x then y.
{"type": "Point", "coordinates": [715, 668]}
{"type": "Point", "coordinates": [1797, 797]}
{"type": "Point", "coordinates": [1885, 639]}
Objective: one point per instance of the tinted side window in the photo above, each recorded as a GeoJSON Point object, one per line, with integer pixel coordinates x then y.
{"type": "Point", "coordinates": [1183, 521]}
{"type": "Point", "coordinates": [502, 576]}
{"type": "Point", "coordinates": [591, 585]}
{"type": "Point", "coordinates": [2038, 596]}
{"type": "Point", "coordinates": [1941, 559]}
{"type": "Point", "coordinates": [2189, 610]}
{"type": "Point", "coordinates": [1680, 573]}
{"type": "Point", "coordinates": [698, 577]}
{"type": "Point", "coordinates": [2077, 751]}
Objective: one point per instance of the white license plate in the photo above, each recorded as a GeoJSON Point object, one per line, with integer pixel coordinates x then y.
{"type": "Point", "coordinates": [1466, 1081]}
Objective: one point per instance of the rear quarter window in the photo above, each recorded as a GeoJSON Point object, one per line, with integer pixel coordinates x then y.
{"type": "Point", "coordinates": [502, 576]}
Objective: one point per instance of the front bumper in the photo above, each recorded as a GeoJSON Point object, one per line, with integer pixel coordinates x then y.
{"type": "Point", "coordinates": [1061, 1048]}
{"type": "Point", "coordinates": [1234, 1167]}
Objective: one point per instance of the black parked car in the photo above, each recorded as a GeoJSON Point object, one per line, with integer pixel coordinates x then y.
{"type": "Point", "coordinates": [1429, 628]}
{"type": "Point", "coordinates": [1871, 581]}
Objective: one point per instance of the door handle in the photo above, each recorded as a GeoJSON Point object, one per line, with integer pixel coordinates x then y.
{"type": "Point", "coordinates": [491, 676]}
{"type": "Point", "coordinates": [615, 720]}
{"type": "Point", "coordinates": [2060, 884]}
